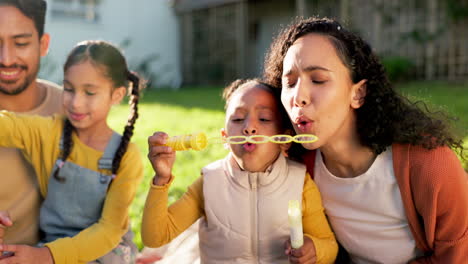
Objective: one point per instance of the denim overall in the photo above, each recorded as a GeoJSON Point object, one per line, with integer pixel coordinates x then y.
{"type": "Point", "coordinates": [75, 204]}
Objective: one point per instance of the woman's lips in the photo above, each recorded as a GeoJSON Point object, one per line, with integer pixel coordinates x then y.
{"type": "Point", "coordinates": [304, 127]}
{"type": "Point", "coordinates": [303, 124]}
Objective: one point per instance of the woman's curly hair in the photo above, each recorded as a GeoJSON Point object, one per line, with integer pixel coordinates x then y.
{"type": "Point", "coordinates": [385, 117]}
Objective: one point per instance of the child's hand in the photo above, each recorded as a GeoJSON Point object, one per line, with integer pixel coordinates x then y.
{"type": "Point", "coordinates": [161, 157]}
{"type": "Point", "coordinates": [304, 254]}
{"type": "Point", "coordinates": [4, 222]}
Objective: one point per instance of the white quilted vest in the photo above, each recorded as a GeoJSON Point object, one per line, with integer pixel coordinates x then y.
{"type": "Point", "coordinates": [247, 213]}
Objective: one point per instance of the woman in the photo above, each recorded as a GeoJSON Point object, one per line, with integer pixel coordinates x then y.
{"type": "Point", "coordinates": [392, 188]}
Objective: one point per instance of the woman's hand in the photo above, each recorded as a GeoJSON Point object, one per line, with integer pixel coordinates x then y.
{"type": "Point", "coordinates": [302, 255]}
{"type": "Point", "coordinates": [161, 157]}
{"type": "Point", "coordinates": [26, 254]}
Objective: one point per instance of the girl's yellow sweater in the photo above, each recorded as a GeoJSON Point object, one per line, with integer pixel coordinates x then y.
{"type": "Point", "coordinates": [38, 138]}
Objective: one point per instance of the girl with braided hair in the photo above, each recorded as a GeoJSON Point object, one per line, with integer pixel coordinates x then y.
{"type": "Point", "coordinates": [87, 173]}
{"type": "Point", "coordinates": [392, 188]}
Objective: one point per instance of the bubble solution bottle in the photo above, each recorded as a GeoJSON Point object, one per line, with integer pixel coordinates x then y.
{"type": "Point", "coordinates": [196, 141]}
{"type": "Point", "coordinates": [295, 224]}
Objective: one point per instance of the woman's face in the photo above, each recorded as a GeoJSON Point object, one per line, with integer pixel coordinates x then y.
{"type": "Point", "coordinates": [317, 91]}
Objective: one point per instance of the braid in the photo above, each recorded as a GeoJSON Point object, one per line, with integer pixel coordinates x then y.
{"type": "Point", "coordinates": [113, 64]}
{"type": "Point", "coordinates": [67, 145]}
{"type": "Point", "coordinates": [128, 131]}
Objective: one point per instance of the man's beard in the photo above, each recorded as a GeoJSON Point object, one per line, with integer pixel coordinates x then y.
{"type": "Point", "coordinates": [23, 86]}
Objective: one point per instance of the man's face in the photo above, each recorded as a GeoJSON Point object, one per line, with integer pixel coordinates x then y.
{"type": "Point", "coordinates": [20, 51]}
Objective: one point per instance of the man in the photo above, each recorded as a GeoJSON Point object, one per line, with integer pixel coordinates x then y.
{"type": "Point", "coordinates": [22, 44]}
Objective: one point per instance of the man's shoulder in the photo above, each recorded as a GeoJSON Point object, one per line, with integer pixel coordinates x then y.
{"type": "Point", "coordinates": [52, 102]}
{"type": "Point", "coordinates": [50, 86]}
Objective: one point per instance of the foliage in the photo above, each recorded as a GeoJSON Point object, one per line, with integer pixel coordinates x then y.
{"type": "Point", "coordinates": [457, 10]}
{"type": "Point", "coordinates": [143, 65]}
{"type": "Point", "coordinates": [421, 35]}
{"type": "Point", "coordinates": [398, 68]}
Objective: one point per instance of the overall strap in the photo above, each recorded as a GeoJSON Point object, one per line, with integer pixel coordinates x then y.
{"type": "Point", "coordinates": [309, 160]}
{"type": "Point", "coordinates": [106, 161]}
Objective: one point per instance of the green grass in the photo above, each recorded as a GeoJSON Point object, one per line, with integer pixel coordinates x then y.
{"type": "Point", "coordinates": [201, 109]}
{"type": "Point", "coordinates": [451, 99]}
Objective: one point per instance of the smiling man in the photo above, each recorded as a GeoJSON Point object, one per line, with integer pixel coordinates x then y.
{"type": "Point", "coordinates": [22, 44]}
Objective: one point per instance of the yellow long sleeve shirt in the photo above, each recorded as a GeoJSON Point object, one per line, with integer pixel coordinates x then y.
{"type": "Point", "coordinates": [161, 223]}
{"type": "Point", "coordinates": [23, 201]}
{"type": "Point", "coordinates": [38, 138]}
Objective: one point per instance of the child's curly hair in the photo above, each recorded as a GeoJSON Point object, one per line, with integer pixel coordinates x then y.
{"type": "Point", "coordinates": [385, 117]}
{"type": "Point", "coordinates": [235, 85]}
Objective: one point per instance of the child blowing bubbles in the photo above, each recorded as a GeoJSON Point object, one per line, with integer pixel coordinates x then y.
{"type": "Point", "coordinates": [87, 173]}
{"type": "Point", "coordinates": [243, 198]}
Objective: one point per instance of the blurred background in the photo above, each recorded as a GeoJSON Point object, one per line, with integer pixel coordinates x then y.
{"type": "Point", "coordinates": [189, 50]}
{"type": "Point", "coordinates": [193, 42]}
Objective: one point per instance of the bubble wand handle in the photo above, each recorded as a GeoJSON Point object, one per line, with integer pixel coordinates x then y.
{"type": "Point", "coordinates": [295, 224]}
{"type": "Point", "coordinates": [185, 142]}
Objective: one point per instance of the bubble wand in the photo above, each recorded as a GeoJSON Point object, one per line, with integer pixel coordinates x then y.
{"type": "Point", "coordinates": [199, 141]}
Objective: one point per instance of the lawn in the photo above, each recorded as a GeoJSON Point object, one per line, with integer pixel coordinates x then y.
{"type": "Point", "coordinates": [196, 109]}
{"type": "Point", "coordinates": [449, 98]}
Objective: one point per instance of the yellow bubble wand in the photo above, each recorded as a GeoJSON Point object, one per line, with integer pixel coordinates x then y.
{"type": "Point", "coordinates": [199, 141]}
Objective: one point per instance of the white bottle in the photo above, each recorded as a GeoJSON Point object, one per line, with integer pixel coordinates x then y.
{"type": "Point", "coordinates": [295, 224]}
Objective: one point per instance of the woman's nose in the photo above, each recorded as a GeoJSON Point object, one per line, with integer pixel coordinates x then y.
{"type": "Point", "coordinates": [302, 95]}
{"type": "Point", "coordinates": [299, 102]}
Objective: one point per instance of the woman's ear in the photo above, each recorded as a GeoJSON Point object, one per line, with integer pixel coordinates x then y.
{"type": "Point", "coordinates": [359, 91]}
{"type": "Point", "coordinates": [118, 94]}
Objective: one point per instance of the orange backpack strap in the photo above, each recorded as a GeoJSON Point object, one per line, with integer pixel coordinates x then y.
{"type": "Point", "coordinates": [309, 160]}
